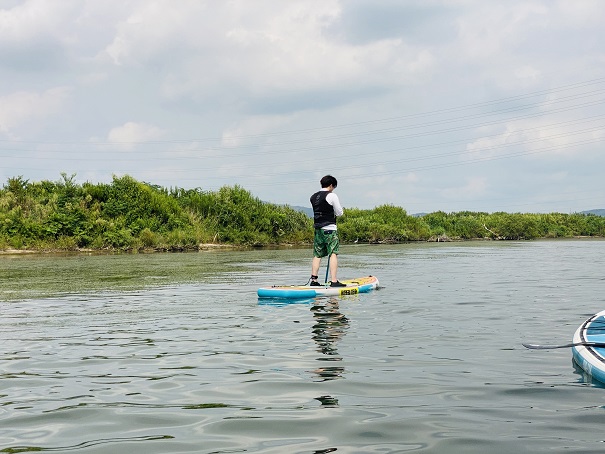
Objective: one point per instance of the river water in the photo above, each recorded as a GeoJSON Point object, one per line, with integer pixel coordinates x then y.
{"type": "Point", "coordinates": [175, 353]}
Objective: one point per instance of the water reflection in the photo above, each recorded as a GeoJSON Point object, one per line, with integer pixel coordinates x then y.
{"type": "Point", "coordinates": [584, 377]}
{"type": "Point", "coordinates": [329, 327]}
{"type": "Point", "coordinates": [325, 451]}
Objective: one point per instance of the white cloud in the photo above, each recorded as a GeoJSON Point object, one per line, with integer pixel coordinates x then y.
{"type": "Point", "coordinates": [21, 108]}
{"type": "Point", "coordinates": [255, 55]}
{"type": "Point", "coordinates": [475, 187]}
{"type": "Point", "coordinates": [538, 139]}
{"type": "Point", "coordinates": [250, 128]}
{"type": "Point", "coordinates": [491, 29]}
{"type": "Point", "coordinates": [34, 36]}
{"type": "Point", "coordinates": [130, 134]}
{"type": "Point", "coordinates": [31, 21]}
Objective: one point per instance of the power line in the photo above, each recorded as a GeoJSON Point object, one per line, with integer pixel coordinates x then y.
{"type": "Point", "coordinates": [367, 122]}
{"type": "Point", "coordinates": [390, 161]}
{"type": "Point", "coordinates": [384, 139]}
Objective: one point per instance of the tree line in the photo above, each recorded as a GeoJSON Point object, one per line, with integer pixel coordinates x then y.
{"type": "Point", "coordinates": [127, 214]}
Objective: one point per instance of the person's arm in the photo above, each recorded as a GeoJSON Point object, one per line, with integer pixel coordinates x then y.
{"type": "Point", "coordinates": [333, 200]}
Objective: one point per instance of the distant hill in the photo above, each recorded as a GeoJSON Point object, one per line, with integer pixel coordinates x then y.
{"type": "Point", "coordinates": [600, 212]}
{"type": "Point", "coordinates": [307, 210]}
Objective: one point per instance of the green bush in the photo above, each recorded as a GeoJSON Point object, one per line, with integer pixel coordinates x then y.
{"type": "Point", "coordinates": [148, 238]}
{"type": "Point", "coordinates": [386, 223]}
{"type": "Point", "coordinates": [128, 214]}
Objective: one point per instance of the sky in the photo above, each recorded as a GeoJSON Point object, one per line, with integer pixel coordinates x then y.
{"type": "Point", "coordinates": [429, 105]}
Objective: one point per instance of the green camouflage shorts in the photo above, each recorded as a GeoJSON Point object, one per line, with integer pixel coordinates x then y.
{"type": "Point", "coordinates": [325, 243]}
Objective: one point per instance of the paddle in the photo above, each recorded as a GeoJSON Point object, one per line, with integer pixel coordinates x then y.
{"type": "Point", "coordinates": [328, 268]}
{"type": "Point", "coordinates": [573, 344]}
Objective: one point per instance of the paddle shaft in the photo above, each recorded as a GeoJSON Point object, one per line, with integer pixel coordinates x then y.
{"type": "Point", "coordinates": [572, 344]}
{"type": "Point", "coordinates": [328, 268]}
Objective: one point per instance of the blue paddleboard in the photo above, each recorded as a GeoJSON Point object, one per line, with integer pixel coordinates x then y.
{"type": "Point", "coordinates": [591, 359]}
{"type": "Point", "coordinates": [353, 287]}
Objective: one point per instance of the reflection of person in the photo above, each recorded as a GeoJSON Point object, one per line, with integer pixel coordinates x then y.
{"type": "Point", "coordinates": [330, 326]}
{"type": "Point", "coordinates": [326, 207]}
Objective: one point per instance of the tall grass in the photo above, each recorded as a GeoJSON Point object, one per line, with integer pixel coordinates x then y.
{"type": "Point", "coordinates": [127, 214]}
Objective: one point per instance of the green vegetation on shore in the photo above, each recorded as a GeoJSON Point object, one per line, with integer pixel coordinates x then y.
{"type": "Point", "coordinates": [130, 215]}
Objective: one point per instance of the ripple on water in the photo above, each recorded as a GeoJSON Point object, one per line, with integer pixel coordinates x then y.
{"type": "Point", "coordinates": [431, 362]}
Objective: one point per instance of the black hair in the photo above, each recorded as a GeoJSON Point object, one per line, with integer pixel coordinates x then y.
{"type": "Point", "coordinates": [327, 181]}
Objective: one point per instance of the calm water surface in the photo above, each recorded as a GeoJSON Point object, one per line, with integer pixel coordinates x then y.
{"type": "Point", "coordinates": [174, 353]}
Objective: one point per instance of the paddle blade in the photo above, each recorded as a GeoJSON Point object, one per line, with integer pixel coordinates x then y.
{"type": "Point", "coordinates": [573, 344]}
{"type": "Point", "coordinates": [546, 347]}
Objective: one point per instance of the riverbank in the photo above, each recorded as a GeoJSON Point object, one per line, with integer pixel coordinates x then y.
{"type": "Point", "coordinates": [234, 247]}
{"type": "Point", "coordinates": [201, 247]}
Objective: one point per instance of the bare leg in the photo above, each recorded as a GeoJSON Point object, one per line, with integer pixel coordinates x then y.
{"type": "Point", "coordinates": [333, 267]}
{"type": "Point", "coordinates": [315, 266]}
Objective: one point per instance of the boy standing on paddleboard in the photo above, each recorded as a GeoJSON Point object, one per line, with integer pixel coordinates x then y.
{"type": "Point", "coordinates": [326, 207]}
